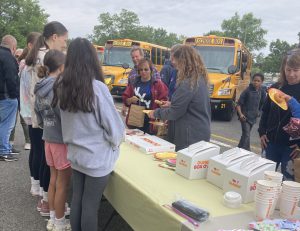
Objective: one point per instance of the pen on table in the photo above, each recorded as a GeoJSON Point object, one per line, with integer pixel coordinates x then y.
{"type": "Point", "coordinates": [162, 166]}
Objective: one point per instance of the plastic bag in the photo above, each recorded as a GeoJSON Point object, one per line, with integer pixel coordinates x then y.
{"type": "Point", "coordinates": [191, 210]}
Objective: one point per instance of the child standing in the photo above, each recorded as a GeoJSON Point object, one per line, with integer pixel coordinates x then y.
{"type": "Point", "coordinates": [248, 107]}
{"type": "Point", "coordinates": [92, 129]}
{"type": "Point", "coordinates": [48, 118]}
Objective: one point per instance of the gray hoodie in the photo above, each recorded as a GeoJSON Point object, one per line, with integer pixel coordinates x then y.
{"type": "Point", "coordinates": [48, 118]}
{"type": "Point", "coordinates": [93, 139]}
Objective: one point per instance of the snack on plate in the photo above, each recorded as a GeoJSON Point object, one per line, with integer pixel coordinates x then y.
{"type": "Point", "coordinates": [158, 102]}
{"type": "Point", "coordinates": [157, 123]}
{"type": "Point", "coordinates": [165, 155]}
{"type": "Point", "coordinates": [147, 111]}
{"type": "Point", "coordinates": [276, 96]}
{"type": "Point", "coordinates": [171, 162]}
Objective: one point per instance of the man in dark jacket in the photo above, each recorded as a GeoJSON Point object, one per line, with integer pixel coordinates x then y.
{"type": "Point", "coordinates": [9, 93]}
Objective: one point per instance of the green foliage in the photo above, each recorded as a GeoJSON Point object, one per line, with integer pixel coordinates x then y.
{"type": "Point", "coordinates": [126, 24]}
{"type": "Point", "coordinates": [20, 17]}
{"type": "Point", "coordinates": [215, 32]}
{"type": "Point", "coordinates": [247, 29]}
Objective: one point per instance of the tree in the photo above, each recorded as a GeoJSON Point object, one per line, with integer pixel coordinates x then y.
{"type": "Point", "coordinates": [20, 17]}
{"type": "Point", "coordinates": [247, 29]}
{"type": "Point", "coordinates": [277, 49]}
{"type": "Point", "coordinates": [127, 25]}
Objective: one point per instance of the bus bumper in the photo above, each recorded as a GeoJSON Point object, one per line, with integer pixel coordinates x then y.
{"type": "Point", "coordinates": [221, 104]}
{"type": "Point", "coordinates": [117, 90]}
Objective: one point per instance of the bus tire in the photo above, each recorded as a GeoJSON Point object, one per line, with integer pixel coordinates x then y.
{"type": "Point", "coordinates": [228, 114]}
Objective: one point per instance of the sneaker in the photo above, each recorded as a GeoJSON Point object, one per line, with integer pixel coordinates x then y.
{"type": "Point", "coordinates": [39, 205]}
{"type": "Point", "coordinates": [66, 227]}
{"type": "Point", "coordinates": [67, 210]}
{"type": "Point", "coordinates": [7, 158]}
{"type": "Point", "coordinates": [45, 211]}
{"type": "Point", "coordinates": [27, 146]}
{"type": "Point", "coordinates": [14, 151]}
{"type": "Point", "coordinates": [50, 225]}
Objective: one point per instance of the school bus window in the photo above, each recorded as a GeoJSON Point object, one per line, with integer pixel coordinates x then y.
{"type": "Point", "coordinates": [239, 54]}
{"type": "Point", "coordinates": [116, 56]}
{"type": "Point", "coordinates": [217, 59]}
{"type": "Point", "coordinates": [153, 55]}
{"type": "Point", "coordinates": [159, 56]}
{"type": "Point", "coordinates": [147, 54]}
{"type": "Point", "coordinates": [163, 56]}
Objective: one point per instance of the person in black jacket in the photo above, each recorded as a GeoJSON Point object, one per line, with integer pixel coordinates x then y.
{"type": "Point", "coordinates": [277, 144]}
{"type": "Point", "coordinates": [248, 107]}
{"type": "Point", "coordinates": [9, 93]}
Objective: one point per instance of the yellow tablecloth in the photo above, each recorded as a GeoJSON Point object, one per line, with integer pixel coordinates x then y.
{"type": "Point", "coordinates": [138, 188]}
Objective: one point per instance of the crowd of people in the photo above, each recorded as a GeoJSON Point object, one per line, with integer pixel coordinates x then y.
{"type": "Point", "coordinates": [73, 128]}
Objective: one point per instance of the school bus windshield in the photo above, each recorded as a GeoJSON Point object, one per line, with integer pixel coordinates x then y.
{"type": "Point", "coordinates": [216, 59]}
{"type": "Point", "coordinates": [116, 56]}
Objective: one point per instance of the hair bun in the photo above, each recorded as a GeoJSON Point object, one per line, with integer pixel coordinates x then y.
{"type": "Point", "coordinates": [43, 71]}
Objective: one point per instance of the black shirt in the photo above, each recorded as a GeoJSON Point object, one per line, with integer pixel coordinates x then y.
{"type": "Point", "coordinates": [274, 118]}
{"type": "Point", "coordinates": [9, 80]}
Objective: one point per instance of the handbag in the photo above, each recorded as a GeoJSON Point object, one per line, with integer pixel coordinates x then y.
{"type": "Point", "coordinates": [136, 116]}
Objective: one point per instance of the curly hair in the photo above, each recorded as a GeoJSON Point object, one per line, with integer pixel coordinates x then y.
{"type": "Point", "coordinates": [189, 65]}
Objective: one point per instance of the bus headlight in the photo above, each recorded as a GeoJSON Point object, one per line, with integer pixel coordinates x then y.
{"type": "Point", "coordinates": [123, 81]}
{"type": "Point", "coordinates": [225, 91]}
{"type": "Point", "coordinates": [109, 79]}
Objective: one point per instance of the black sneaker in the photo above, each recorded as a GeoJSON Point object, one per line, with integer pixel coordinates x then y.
{"type": "Point", "coordinates": [8, 158]}
{"type": "Point", "coordinates": [14, 151]}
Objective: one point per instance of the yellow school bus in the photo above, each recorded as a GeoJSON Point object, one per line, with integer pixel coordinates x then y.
{"type": "Point", "coordinates": [117, 62]}
{"type": "Point", "coordinates": [228, 63]}
{"type": "Point", "coordinates": [100, 52]}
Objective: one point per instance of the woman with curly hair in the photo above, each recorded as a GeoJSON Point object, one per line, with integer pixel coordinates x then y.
{"type": "Point", "coordinates": [190, 104]}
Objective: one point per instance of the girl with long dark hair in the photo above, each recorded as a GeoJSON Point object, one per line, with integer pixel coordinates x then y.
{"type": "Point", "coordinates": [92, 130]}
{"type": "Point", "coordinates": [54, 36]}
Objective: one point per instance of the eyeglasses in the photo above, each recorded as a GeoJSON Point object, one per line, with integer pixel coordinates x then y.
{"type": "Point", "coordinates": [145, 69]}
{"type": "Point", "coordinates": [17, 56]}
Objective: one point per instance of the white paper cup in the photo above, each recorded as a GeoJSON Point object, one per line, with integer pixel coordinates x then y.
{"type": "Point", "coordinates": [288, 208]}
{"type": "Point", "coordinates": [262, 210]}
{"type": "Point", "coordinates": [291, 185]}
{"type": "Point", "coordinates": [273, 175]}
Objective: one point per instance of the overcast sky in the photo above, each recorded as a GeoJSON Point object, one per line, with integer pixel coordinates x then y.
{"type": "Point", "coordinates": [281, 18]}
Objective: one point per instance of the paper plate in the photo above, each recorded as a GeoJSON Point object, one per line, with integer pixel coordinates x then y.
{"type": "Point", "coordinates": [275, 97]}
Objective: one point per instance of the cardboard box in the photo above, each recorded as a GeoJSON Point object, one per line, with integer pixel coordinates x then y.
{"type": "Point", "coordinates": [218, 164]}
{"type": "Point", "coordinates": [242, 177]}
{"type": "Point", "coordinates": [150, 144]}
{"type": "Point", "coordinates": [192, 162]}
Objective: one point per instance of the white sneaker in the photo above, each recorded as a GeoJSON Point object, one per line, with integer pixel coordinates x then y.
{"type": "Point", "coordinates": [66, 227]}
{"type": "Point", "coordinates": [27, 146]}
{"type": "Point", "coordinates": [67, 209]}
{"type": "Point", "coordinates": [50, 225]}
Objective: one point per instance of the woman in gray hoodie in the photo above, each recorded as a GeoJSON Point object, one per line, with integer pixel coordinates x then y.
{"type": "Point", "coordinates": [92, 129]}
{"type": "Point", "coordinates": [190, 104]}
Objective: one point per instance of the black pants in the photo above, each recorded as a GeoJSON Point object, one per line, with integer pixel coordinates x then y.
{"type": "Point", "coordinates": [37, 162]}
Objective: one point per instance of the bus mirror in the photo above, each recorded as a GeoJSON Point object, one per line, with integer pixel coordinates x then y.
{"type": "Point", "coordinates": [125, 65]}
{"type": "Point", "coordinates": [232, 69]}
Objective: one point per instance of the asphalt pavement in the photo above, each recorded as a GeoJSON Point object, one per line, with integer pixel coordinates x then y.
{"type": "Point", "coordinates": [17, 206]}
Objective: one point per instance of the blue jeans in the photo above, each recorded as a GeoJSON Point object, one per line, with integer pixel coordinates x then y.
{"type": "Point", "coordinates": [245, 138]}
{"type": "Point", "coordinates": [281, 155]}
{"type": "Point", "coordinates": [8, 110]}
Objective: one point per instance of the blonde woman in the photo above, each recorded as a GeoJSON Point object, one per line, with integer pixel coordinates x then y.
{"type": "Point", "coordinates": [190, 104]}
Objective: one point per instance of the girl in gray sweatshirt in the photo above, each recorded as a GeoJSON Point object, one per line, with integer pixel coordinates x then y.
{"type": "Point", "coordinates": [92, 129]}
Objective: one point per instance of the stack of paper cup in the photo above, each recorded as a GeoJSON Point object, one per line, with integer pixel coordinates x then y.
{"type": "Point", "coordinates": [265, 195]}
{"type": "Point", "coordinates": [277, 178]}
{"type": "Point", "coordinates": [289, 199]}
